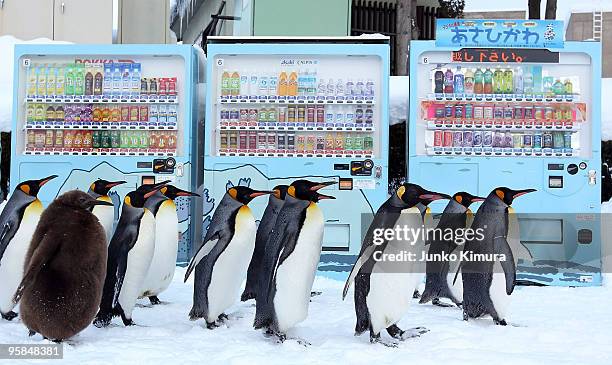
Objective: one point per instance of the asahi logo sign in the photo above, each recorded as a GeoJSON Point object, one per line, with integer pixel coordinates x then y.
{"type": "Point", "coordinates": [101, 60]}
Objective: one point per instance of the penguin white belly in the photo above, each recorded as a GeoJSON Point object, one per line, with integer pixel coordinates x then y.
{"type": "Point", "coordinates": [13, 260]}
{"type": "Point", "coordinates": [295, 276]}
{"type": "Point", "coordinates": [229, 271]}
{"type": "Point", "coordinates": [391, 292]}
{"type": "Point", "coordinates": [163, 263]}
{"type": "Point", "coordinates": [497, 291]}
{"type": "Point", "coordinates": [106, 216]}
{"type": "Point", "coordinates": [138, 263]}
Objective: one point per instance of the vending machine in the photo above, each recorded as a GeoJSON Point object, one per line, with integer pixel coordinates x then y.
{"type": "Point", "coordinates": [113, 112]}
{"type": "Point", "coordinates": [281, 109]}
{"type": "Point", "coordinates": [509, 103]}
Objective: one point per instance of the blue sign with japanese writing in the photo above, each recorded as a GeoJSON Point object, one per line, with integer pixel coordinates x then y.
{"type": "Point", "coordinates": [519, 33]}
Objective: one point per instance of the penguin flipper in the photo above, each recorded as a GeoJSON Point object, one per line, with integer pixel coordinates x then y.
{"type": "Point", "coordinates": [519, 251]}
{"type": "Point", "coordinates": [362, 259]}
{"type": "Point", "coordinates": [45, 250]}
{"type": "Point", "coordinates": [8, 232]}
{"type": "Point", "coordinates": [501, 246]}
{"type": "Point", "coordinates": [204, 250]}
{"type": "Point", "coordinates": [116, 266]}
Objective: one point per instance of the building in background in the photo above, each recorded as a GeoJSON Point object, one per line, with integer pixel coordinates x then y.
{"type": "Point", "coordinates": [593, 25]}
{"type": "Point", "coordinates": [88, 21]}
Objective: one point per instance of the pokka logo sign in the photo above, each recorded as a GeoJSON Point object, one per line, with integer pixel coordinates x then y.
{"type": "Point", "coordinates": [499, 33]}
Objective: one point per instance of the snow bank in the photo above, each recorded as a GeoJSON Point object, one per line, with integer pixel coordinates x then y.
{"type": "Point", "coordinates": [548, 325]}
{"type": "Point", "coordinates": [7, 44]}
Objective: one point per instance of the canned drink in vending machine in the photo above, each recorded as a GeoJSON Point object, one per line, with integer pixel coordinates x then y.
{"type": "Point", "coordinates": [233, 141]}
{"type": "Point", "coordinates": [457, 139]}
{"type": "Point", "coordinates": [348, 142]}
{"type": "Point", "coordinates": [243, 119]}
{"type": "Point", "coordinates": [31, 138]}
{"type": "Point", "coordinates": [87, 140]}
{"type": "Point", "coordinates": [320, 146]}
{"type": "Point", "coordinates": [242, 141]}
{"type": "Point", "coordinates": [310, 115]}
{"type": "Point", "coordinates": [172, 141]}
{"type": "Point", "coordinates": [252, 119]}
{"type": "Point", "coordinates": [498, 112]}
{"type": "Point", "coordinates": [282, 116]}
{"type": "Point", "coordinates": [567, 140]}
{"type": "Point", "coordinates": [517, 141]}
{"type": "Point", "coordinates": [547, 140]}
{"type": "Point", "coordinates": [487, 139]}
{"type": "Point", "coordinates": [477, 139]}
{"type": "Point", "coordinates": [448, 139]}
{"type": "Point", "coordinates": [59, 140]}
{"type": "Point", "coordinates": [339, 144]}
{"type": "Point", "coordinates": [558, 140]}
{"type": "Point", "coordinates": [448, 111]}
{"type": "Point", "coordinates": [223, 141]}
{"type": "Point", "coordinates": [311, 141]}
{"type": "Point", "coordinates": [271, 119]}
{"type": "Point", "coordinates": [153, 140]}
{"type": "Point", "coordinates": [262, 142]}
{"type": "Point", "coordinates": [468, 139]}
{"type": "Point", "coordinates": [49, 139]}
{"type": "Point", "coordinates": [290, 142]}
{"type": "Point", "coordinates": [124, 138]}
{"type": "Point", "coordinates": [478, 112]}
{"type": "Point", "coordinates": [469, 111]}
{"type": "Point", "coordinates": [252, 142]}
{"type": "Point", "coordinates": [439, 111]}
{"type": "Point", "coordinates": [320, 115]}
{"type": "Point", "coordinates": [77, 142]}
{"type": "Point", "coordinates": [508, 140]}
{"type": "Point", "coordinates": [368, 144]}
{"type": "Point", "coordinates": [272, 142]}
{"type": "Point", "coordinates": [537, 140]}
{"type": "Point", "coordinates": [459, 111]}
{"type": "Point", "coordinates": [300, 143]}
{"type": "Point", "coordinates": [528, 140]}
{"type": "Point", "coordinates": [281, 142]}
{"type": "Point", "coordinates": [438, 136]}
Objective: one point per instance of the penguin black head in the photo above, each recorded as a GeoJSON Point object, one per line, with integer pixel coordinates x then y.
{"type": "Point", "coordinates": [138, 197]}
{"type": "Point", "coordinates": [508, 195]}
{"type": "Point", "coordinates": [466, 199]}
{"type": "Point", "coordinates": [32, 187]}
{"type": "Point", "coordinates": [172, 192]}
{"type": "Point", "coordinates": [102, 187]}
{"type": "Point", "coordinates": [280, 191]}
{"type": "Point", "coordinates": [80, 200]}
{"type": "Point", "coordinates": [308, 190]}
{"type": "Point", "coordinates": [244, 194]}
{"type": "Point", "coordinates": [413, 194]}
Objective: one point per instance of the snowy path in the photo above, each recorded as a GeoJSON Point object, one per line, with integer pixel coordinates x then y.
{"type": "Point", "coordinates": [550, 326]}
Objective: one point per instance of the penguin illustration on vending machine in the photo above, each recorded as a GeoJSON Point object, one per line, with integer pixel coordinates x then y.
{"type": "Point", "coordinates": [275, 203]}
{"type": "Point", "coordinates": [222, 260]}
{"type": "Point", "coordinates": [291, 258]}
{"type": "Point", "coordinates": [440, 273]}
{"type": "Point", "coordinates": [489, 278]}
{"type": "Point", "coordinates": [66, 264]}
{"type": "Point", "coordinates": [163, 264]}
{"type": "Point", "coordinates": [384, 290]}
{"type": "Point", "coordinates": [18, 221]}
{"type": "Point", "coordinates": [105, 213]}
{"type": "Point", "coordinates": [129, 257]}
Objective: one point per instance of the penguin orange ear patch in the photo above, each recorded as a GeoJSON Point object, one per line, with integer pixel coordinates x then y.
{"type": "Point", "coordinates": [458, 198]}
{"type": "Point", "coordinates": [128, 200]}
{"type": "Point", "coordinates": [400, 191]}
{"type": "Point", "coordinates": [233, 193]}
{"type": "Point", "coordinates": [500, 194]}
{"type": "Point", "coordinates": [291, 191]}
{"type": "Point", "coordinates": [93, 186]}
{"type": "Point", "coordinates": [25, 189]}
{"type": "Point", "coordinates": [163, 190]}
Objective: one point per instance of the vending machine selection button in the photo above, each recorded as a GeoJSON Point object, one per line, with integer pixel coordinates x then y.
{"type": "Point", "coordinates": [582, 165]}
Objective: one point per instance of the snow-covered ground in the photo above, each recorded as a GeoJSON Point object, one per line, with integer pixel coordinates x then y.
{"type": "Point", "coordinates": [549, 325]}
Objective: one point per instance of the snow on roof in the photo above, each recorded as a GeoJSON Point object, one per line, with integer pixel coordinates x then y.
{"type": "Point", "coordinates": [7, 44]}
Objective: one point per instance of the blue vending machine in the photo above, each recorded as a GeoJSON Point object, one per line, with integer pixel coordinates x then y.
{"type": "Point", "coordinates": [509, 103]}
{"type": "Point", "coordinates": [115, 112]}
{"type": "Point", "coordinates": [280, 109]}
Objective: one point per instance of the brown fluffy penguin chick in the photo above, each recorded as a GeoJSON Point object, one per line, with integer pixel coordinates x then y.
{"type": "Point", "coordinates": [65, 268]}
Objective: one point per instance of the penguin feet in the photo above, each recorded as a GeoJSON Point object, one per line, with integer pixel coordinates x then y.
{"type": "Point", "coordinates": [439, 303]}
{"type": "Point", "coordinates": [416, 294]}
{"type": "Point", "coordinates": [211, 325]}
{"type": "Point", "coordinates": [31, 333]}
{"type": "Point", "coordinates": [376, 339]}
{"type": "Point", "coordinates": [246, 295]}
{"type": "Point", "coordinates": [413, 332]}
{"type": "Point", "coordinates": [465, 315]}
{"type": "Point", "coordinates": [500, 322]}
{"type": "Point", "coordinates": [126, 321]}
{"type": "Point", "coordinates": [9, 316]}
{"type": "Point", "coordinates": [154, 300]}
{"type": "Point", "coordinates": [102, 320]}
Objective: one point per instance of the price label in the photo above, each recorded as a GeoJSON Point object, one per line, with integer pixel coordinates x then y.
{"type": "Point", "coordinates": [220, 62]}
{"type": "Point", "coordinates": [27, 62]}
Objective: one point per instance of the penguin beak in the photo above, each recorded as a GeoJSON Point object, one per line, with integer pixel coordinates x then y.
{"type": "Point", "coordinates": [517, 193]}
{"type": "Point", "coordinates": [477, 199]}
{"type": "Point", "coordinates": [162, 184]}
{"type": "Point", "coordinates": [260, 193]}
{"type": "Point", "coordinates": [150, 193]}
{"type": "Point", "coordinates": [186, 193]}
{"type": "Point", "coordinates": [115, 183]}
{"type": "Point", "coordinates": [46, 180]}
{"type": "Point", "coordinates": [431, 196]}
{"type": "Point", "coordinates": [102, 202]}
{"type": "Point", "coordinates": [322, 185]}
{"type": "Point", "coordinates": [323, 196]}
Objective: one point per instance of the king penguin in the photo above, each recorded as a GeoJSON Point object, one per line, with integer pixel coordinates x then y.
{"type": "Point", "coordinates": [163, 264]}
{"type": "Point", "coordinates": [66, 264]}
{"type": "Point", "coordinates": [456, 216]}
{"type": "Point", "coordinates": [129, 258]}
{"type": "Point", "coordinates": [105, 213]}
{"type": "Point", "coordinates": [489, 282]}
{"type": "Point", "coordinates": [222, 260]}
{"type": "Point", "coordinates": [384, 289]}
{"type": "Point", "coordinates": [275, 203]}
{"type": "Point", "coordinates": [18, 222]}
{"type": "Point", "coordinates": [291, 258]}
